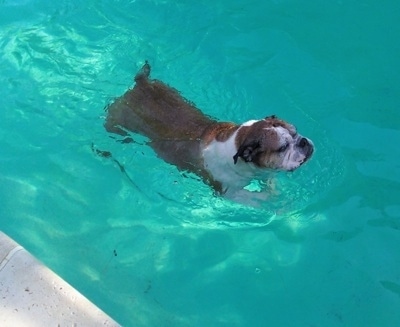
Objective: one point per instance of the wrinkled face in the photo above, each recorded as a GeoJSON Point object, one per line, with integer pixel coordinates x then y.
{"type": "Point", "coordinates": [272, 143]}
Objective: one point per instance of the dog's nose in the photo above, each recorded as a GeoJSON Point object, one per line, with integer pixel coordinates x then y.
{"type": "Point", "coordinates": [303, 142]}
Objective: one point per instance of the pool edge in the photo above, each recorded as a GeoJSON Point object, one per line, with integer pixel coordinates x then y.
{"type": "Point", "coordinates": [31, 294]}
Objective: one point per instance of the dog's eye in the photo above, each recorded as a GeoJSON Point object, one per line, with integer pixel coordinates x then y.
{"type": "Point", "coordinates": [283, 147]}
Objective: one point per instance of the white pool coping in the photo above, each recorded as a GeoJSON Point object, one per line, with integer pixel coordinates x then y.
{"type": "Point", "coordinates": [33, 295]}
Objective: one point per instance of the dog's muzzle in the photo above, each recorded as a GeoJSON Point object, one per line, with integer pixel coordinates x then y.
{"type": "Point", "coordinates": [307, 147]}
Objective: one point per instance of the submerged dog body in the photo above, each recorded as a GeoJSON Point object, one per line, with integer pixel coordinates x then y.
{"type": "Point", "coordinates": [226, 155]}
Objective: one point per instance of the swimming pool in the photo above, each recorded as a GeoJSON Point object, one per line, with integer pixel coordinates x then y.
{"type": "Point", "coordinates": [155, 247]}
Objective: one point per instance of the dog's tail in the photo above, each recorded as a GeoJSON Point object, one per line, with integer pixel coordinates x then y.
{"type": "Point", "coordinates": [143, 73]}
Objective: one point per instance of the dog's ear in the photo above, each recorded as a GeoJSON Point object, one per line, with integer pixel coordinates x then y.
{"type": "Point", "coordinates": [247, 151]}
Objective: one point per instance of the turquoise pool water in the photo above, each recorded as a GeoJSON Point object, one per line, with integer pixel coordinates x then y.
{"type": "Point", "coordinates": [155, 247]}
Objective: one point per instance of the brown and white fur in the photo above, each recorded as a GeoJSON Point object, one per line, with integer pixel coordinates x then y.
{"type": "Point", "coordinates": [226, 155]}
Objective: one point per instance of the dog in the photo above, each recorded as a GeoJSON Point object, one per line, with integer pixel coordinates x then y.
{"type": "Point", "coordinates": [225, 155]}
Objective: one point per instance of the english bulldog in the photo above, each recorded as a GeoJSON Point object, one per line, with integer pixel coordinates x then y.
{"type": "Point", "coordinates": [226, 155]}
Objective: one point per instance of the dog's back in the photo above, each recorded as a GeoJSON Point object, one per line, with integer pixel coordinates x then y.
{"type": "Point", "coordinates": [157, 111]}
{"type": "Point", "coordinates": [172, 124]}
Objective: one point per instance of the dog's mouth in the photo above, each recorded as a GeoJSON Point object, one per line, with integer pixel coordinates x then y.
{"type": "Point", "coordinates": [307, 157]}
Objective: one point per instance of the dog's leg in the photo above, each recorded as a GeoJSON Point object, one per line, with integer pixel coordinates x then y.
{"type": "Point", "coordinates": [253, 199]}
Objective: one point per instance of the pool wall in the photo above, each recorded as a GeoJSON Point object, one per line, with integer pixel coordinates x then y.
{"type": "Point", "coordinates": [32, 295]}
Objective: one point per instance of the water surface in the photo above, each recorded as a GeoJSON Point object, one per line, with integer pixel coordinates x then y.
{"type": "Point", "coordinates": [155, 247]}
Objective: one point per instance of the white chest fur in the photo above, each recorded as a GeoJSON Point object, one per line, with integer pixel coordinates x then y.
{"type": "Point", "coordinates": [218, 160]}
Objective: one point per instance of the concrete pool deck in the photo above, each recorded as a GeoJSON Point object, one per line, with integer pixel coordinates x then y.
{"type": "Point", "coordinates": [32, 295]}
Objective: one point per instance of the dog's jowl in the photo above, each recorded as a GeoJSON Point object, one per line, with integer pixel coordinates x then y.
{"type": "Point", "coordinates": [226, 155]}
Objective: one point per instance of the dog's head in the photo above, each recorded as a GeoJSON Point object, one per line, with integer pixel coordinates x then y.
{"type": "Point", "coordinates": [272, 143]}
